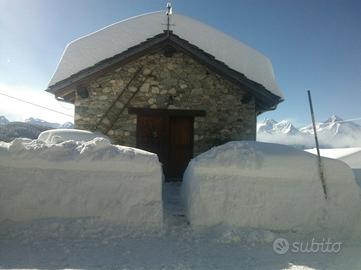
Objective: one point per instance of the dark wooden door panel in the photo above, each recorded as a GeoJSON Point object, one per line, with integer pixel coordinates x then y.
{"type": "Point", "coordinates": [151, 134]}
{"type": "Point", "coordinates": [170, 137]}
{"type": "Point", "coordinates": [181, 145]}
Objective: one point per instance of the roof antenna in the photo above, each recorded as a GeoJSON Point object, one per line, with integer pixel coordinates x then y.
{"type": "Point", "coordinates": [168, 13]}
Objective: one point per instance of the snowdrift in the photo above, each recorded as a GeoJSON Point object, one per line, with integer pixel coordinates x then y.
{"type": "Point", "coordinates": [271, 187]}
{"type": "Point", "coordinates": [61, 135]}
{"type": "Point", "coordinates": [351, 156]}
{"type": "Point", "coordinates": [80, 179]}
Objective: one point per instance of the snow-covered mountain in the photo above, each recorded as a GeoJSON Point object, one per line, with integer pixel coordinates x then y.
{"type": "Point", "coordinates": [334, 126]}
{"type": "Point", "coordinates": [30, 128]}
{"type": "Point", "coordinates": [330, 123]}
{"type": "Point", "coordinates": [334, 132]}
{"type": "Point", "coordinates": [267, 126]}
{"type": "Point", "coordinates": [12, 130]}
{"type": "Point", "coordinates": [40, 122]}
{"type": "Point", "coordinates": [271, 126]}
{"type": "Point", "coordinates": [3, 120]}
{"type": "Point", "coordinates": [67, 125]}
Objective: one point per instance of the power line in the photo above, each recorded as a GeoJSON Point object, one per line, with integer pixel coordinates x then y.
{"type": "Point", "coordinates": [61, 105]}
{"type": "Point", "coordinates": [37, 105]}
{"type": "Point", "coordinates": [344, 121]}
{"type": "Point", "coordinates": [52, 110]}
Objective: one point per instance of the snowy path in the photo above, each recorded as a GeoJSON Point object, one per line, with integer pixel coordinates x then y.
{"type": "Point", "coordinates": [88, 244]}
{"type": "Point", "coordinates": [174, 215]}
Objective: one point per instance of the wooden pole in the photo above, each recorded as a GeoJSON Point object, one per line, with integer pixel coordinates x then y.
{"type": "Point", "coordinates": [320, 167]}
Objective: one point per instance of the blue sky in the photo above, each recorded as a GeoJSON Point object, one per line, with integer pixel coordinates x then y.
{"type": "Point", "coordinates": [313, 44]}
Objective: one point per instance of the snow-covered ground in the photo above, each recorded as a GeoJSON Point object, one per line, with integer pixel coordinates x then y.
{"type": "Point", "coordinates": [87, 244]}
{"type": "Point", "coordinates": [75, 242]}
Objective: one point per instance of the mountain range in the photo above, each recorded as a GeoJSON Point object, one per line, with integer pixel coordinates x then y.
{"type": "Point", "coordinates": [334, 132]}
{"type": "Point", "coordinates": [30, 128]}
{"type": "Point", "coordinates": [40, 122]}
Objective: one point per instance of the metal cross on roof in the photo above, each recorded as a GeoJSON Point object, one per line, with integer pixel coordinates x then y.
{"type": "Point", "coordinates": [169, 12]}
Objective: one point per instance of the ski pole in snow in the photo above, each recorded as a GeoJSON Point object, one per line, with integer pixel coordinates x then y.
{"type": "Point", "coordinates": [320, 168]}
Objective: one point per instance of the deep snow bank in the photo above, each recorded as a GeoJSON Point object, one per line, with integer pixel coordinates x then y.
{"type": "Point", "coordinates": [269, 186]}
{"type": "Point", "coordinates": [351, 156]}
{"type": "Point", "coordinates": [80, 179]}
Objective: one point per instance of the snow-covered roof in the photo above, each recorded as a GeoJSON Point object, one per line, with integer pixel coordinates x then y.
{"type": "Point", "coordinates": [88, 50]}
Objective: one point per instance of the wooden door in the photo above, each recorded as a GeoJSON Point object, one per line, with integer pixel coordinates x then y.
{"type": "Point", "coordinates": [170, 137]}
{"type": "Point", "coordinates": [180, 145]}
{"type": "Point", "coordinates": [151, 134]}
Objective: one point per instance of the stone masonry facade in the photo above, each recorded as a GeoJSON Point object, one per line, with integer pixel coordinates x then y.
{"type": "Point", "coordinates": [177, 82]}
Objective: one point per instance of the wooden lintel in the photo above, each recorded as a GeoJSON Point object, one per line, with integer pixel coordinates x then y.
{"type": "Point", "coordinates": [169, 112]}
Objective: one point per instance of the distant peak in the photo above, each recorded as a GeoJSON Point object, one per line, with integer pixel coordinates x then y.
{"type": "Point", "coordinates": [31, 119]}
{"type": "Point", "coordinates": [3, 120]}
{"type": "Point", "coordinates": [333, 118]}
{"type": "Point", "coordinates": [285, 122]}
{"type": "Point", "coordinates": [269, 121]}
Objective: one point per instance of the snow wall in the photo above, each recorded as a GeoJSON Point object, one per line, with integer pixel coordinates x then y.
{"type": "Point", "coordinates": [80, 179]}
{"type": "Point", "coordinates": [270, 186]}
{"type": "Point", "coordinates": [354, 161]}
{"type": "Point", "coordinates": [351, 156]}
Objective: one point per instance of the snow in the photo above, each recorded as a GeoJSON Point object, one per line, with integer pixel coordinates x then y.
{"type": "Point", "coordinates": [336, 126]}
{"type": "Point", "coordinates": [94, 205]}
{"type": "Point", "coordinates": [118, 37]}
{"type": "Point", "coordinates": [266, 126]}
{"type": "Point", "coordinates": [331, 125]}
{"type": "Point", "coordinates": [81, 179]}
{"type": "Point", "coordinates": [272, 187]}
{"type": "Point", "coordinates": [341, 153]}
{"type": "Point", "coordinates": [62, 135]}
{"type": "Point", "coordinates": [333, 133]}
{"type": "Point", "coordinates": [84, 243]}
{"type": "Point", "coordinates": [89, 243]}
{"type": "Point", "coordinates": [270, 126]}
{"type": "Point", "coordinates": [351, 156]}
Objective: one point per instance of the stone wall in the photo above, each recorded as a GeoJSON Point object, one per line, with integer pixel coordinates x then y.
{"type": "Point", "coordinates": [177, 82]}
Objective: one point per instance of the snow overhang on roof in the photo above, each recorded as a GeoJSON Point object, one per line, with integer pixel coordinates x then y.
{"type": "Point", "coordinates": [112, 40]}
